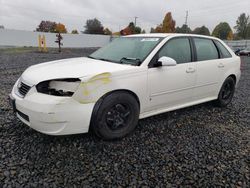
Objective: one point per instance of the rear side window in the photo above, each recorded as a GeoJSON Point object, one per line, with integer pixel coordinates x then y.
{"type": "Point", "coordinates": [178, 49]}
{"type": "Point", "coordinates": [224, 52]}
{"type": "Point", "coordinates": [205, 49]}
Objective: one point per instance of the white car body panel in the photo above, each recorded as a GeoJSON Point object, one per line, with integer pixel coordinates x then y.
{"type": "Point", "coordinates": [173, 85]}
{"type": "Point", "coordinates": [158, 90]}
{"type": "Point", "coordinates": [69, 68]}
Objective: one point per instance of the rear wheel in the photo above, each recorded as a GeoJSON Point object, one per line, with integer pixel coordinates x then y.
{"type": "Point", "coordinates": [226, 93]}
{"type": "Point", "coordinates": [115, 116]}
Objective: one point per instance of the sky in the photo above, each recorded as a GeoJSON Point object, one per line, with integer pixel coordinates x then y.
{"type": "Point", "coordinates": [116, 14]}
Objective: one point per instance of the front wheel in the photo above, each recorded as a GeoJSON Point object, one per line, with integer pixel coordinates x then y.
{"type": "Point", "coordinates": [226, 93]}
{"type": "Point", "coordinates": [115, 116]}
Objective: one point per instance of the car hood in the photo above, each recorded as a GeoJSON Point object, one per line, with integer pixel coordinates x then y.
{"type": "Point", "coordinates": [70, 68]}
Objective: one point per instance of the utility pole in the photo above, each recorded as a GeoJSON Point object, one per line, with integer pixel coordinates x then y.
{"type": "Point", "coordinates": [186, 18]}
{"type": "Point", "coordinates": [135, 20]}
{"type": "Point", "coordinates": [186, 21]}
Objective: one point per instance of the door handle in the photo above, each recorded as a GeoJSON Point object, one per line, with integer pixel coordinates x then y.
{"type": "Point", "coordinates": [190, 70]}
{"type": "Point", "coordinates": [221, 65]}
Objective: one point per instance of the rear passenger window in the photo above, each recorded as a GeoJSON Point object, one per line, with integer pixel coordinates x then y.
{"type": "Point", "coordinates": [224, 52]}
{"type": "Point", "coordinates": [178, 49]}
{"type": "Point", "coordinates": [206, 50]}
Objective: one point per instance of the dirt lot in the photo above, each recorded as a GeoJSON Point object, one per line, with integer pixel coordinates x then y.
{"type": "Point", "coordinates": [201, 146]}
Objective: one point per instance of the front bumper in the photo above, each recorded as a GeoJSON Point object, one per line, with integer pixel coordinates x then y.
{"type": "Point", "coordinates": [52, 115]}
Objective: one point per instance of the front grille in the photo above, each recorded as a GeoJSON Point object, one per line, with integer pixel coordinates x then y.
{"type": "Point", "coordinates": [23, 89]}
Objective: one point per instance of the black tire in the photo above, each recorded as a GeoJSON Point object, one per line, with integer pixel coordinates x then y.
{"type": "Point", "coordinates": [115, 116]}
{"type": "Point", "coordinates": [226, 93]}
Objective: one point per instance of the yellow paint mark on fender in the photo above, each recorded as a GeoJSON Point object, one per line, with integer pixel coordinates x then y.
{"type": "Point", "coordinates": [95, 82]}
{"type": "Point", "coordinates": [104, 77]}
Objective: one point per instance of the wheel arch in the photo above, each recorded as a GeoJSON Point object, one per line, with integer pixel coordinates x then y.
{"type": "Point", "coordinates": [100, 100]}
{"type": "Point", "coordinates": [233, 76]}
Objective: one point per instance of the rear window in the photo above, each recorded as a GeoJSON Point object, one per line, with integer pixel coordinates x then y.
{"type": "Point", "coordinates": [224, 52]}
{"type": "Point", "coordinates": [206, 50]}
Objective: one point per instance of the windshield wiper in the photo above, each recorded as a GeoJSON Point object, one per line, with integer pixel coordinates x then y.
{"type": "Point", "coordinates": [102, 59]}
{"type": "Point", "coordinates": [127, 60]}
{"type": "Point", "coordinates": [91, 57]}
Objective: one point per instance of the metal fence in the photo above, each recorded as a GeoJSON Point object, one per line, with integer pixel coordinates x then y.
{"type": "Point", "coordinates": [28, 38]}
{"type": "Point", "coordinates": [238, 44]}
{"type": "Point", "coordinates": [19, 38]}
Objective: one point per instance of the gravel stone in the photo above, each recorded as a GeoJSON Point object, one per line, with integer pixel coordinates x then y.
{"type": "Point", "coordinates": [200, 146]}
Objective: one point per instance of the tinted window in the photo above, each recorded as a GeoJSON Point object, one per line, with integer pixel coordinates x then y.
{"type": "Point", "coordinates": [224, 52]}
{"type": "Point", "coordinates": [178, 49]}
{"type": "Point", "coordinates": [206, 50]}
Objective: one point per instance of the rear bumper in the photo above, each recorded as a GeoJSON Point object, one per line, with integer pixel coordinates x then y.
{"type": "Point", "coordinates": [52, 115]}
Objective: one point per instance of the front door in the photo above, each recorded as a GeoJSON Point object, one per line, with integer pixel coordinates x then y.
{"type": "Point", "coordinates": [170, 86]}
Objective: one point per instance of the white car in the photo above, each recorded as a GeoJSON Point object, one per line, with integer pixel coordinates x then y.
{"type": "Point", "coordinates": [131, 78]}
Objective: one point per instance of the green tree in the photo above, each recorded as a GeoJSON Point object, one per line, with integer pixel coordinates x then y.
{"type": "Point", "coordinates": [183, 29]}
{"type": "Point", "coordinates": [46, 26]}
{"type": "Point", "coordinates": [74, 31]}
{"type": "Point", "coordinates": [137, 30]}
{"type": "Point", "coordinates": [222, 31]}
{"type": "Point", "coordinates": [131, 29]}
{"type": "Point", "coordinates": [143, 31]}
{"type": "Point", "coordinates": [243, 26]}
{"type": "Point", "coordinates": [107, 31]}
{"type": "Point", "coordinates": [248, 31]}
{"type": "Point", "coordinates": [203, 30]}
{"type": "Point", "coordinates": [93, 26]}
{"type": "Point", "coordinates": [152, 30]}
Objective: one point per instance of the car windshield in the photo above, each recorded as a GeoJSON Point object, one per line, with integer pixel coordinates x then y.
{"type": "Point", "coordinates": [127, 50]}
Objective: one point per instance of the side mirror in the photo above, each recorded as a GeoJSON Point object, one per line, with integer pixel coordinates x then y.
{"type": "Point", "coordinates": [166, 61]}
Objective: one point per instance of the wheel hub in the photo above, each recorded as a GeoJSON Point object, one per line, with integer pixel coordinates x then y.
{"type": "Point", "coordinates": [117, 117]}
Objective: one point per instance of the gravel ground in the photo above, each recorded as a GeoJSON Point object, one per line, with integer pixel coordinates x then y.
{"type": "Point", "coordinates": [201, 146]}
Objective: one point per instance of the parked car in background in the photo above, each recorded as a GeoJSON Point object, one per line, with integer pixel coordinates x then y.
{"type": "Point", "coordinates": [237, 51]}
{"type": "Point", "coordinates": [131, 78]}
{"type": "Point", "coordinates": [245, 52]}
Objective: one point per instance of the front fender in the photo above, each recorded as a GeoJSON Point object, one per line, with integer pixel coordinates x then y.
{"type": "Point", "coordinates": [93, 88]}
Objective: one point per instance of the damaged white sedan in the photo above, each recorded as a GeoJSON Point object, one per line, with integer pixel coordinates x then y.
{"type": "Point", "coordinates": [131, 78]}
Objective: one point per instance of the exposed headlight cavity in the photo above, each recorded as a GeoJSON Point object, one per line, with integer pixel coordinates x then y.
{"type": "Point", "coordinates": [62, 87]}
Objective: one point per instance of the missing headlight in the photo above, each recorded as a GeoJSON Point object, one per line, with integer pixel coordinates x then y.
{"type": "Point", "coordinates": [60, 87]}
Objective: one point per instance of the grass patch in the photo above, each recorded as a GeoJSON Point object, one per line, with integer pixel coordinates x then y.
{"type": "Point", "coordinates": [17, 50]}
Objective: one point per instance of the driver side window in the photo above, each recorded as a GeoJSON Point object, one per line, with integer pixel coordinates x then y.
{"type": "Point", "coordinates": [178, 49]}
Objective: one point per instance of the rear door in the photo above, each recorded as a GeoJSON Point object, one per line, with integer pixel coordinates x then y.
{"type": "Point", "coordinates": [208, 67]}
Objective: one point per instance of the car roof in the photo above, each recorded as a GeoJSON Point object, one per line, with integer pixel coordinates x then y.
{"type": "Point", "coordinates": [165, 35]}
